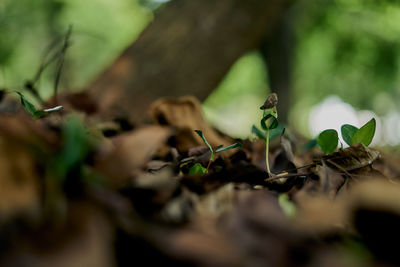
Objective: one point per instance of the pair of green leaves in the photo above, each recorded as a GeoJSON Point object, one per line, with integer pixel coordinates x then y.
{"type": "Point", "coordinates": [30, 108]}
{"type": "Point", "coordinates": [221, 149]}
{"type": "Point", "coordinates": [198, 169]}
{"type": "Point", "coordinates": [328, 139]}
{"type": "Point", "coordinates": [269, 121]}
{"type": "Point", "coordinates": [274, 133]}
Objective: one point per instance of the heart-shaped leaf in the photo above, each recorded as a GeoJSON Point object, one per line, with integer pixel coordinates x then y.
{"type": "Point", "coordinates": [269, 122]}
{"type": "Point", "coordinates": [365, 134]}
{"type": "Point", "coordinates": [348, 132]}
{"type": "Point", "coordinates": [200, 133]}
{"type": "Point", "coordinates": [328, 140]}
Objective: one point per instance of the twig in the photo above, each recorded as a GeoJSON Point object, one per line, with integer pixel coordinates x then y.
{"type": "Point", "coordinates": [61, 63]}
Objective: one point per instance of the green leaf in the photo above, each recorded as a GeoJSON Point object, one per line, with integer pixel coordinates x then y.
{"type": "Point", "coordinates": [274, 133]}
{"type": "Point", "coordinates": [269, 122]}
{"type": "Point", "coordinates": [310, 145]}
{"type": "Point", "coordinates": [200, 133]}
{"type": "Point", "coordinates": [348, 132]}
{"type": "Point", "coordinates": [328, 141]}
{"type": "Point", "coordinates": [288, 207]}
{"type": "Point", "coordinates": [260, 134]}
{"type": "Point", "coordinates": [28, 106]}
{"type": "Point", "coordinates": [235, 145]}
{"type": "Point", "coordinates": [365, 134]}
{"type": "Point", "coordinates": [277, 132]}
{"type": "Point", "coordinates": [75, 148]}
{"type": "Point", "coordinates": [197, 169]}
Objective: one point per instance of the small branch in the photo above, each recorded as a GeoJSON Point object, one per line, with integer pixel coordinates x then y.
{"type": "Point", "coordinates": [60, 63]}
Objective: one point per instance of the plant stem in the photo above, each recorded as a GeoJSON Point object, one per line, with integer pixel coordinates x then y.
{"type": "Point", "coordinates": [266, 152]}
{"type": "Point", "coordinates": [209, 163]}
{"type": "Point", "coordinates": [211, 160]}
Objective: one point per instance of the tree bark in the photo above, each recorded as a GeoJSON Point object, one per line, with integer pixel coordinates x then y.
{"type": "Point", "coordinates": [187, 49]}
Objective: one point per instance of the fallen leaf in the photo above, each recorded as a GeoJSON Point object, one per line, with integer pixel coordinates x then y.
{"type": "Point", "coordinates": [330, 180]}
{"type": "Point", "coordinates": [131, 152]}
{"type": "Point", "coordinates": [20, 192]}
{"type": "Point", "coordinates": [351, 158]}
{"type": "Point", "coordinates": [185, 113]}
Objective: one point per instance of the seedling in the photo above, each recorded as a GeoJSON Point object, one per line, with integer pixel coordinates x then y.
{"type": "Point", "coordinates": [328, 140]}
{"type": "Point", "coordinates": [268, 122]}
{"type": "Point", "coordinates": [197, 168]}
{"type": "Point", "coordinates": [30, 108]}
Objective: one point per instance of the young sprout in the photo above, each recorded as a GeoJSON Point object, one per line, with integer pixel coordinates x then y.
{"type": "Point", "coordinates": [196, 168]}
{"type": "Point", "coordinates": [269, 121]}
{"type": "Point", "coordinates": [30, 108]}
{"type": "Point", "coordinates": [328, 140]}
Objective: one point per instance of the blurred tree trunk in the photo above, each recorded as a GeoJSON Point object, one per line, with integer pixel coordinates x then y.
{"type": "Point", "coordinates": [187, 49]}
{"type": "Point", "coordinates": [277, 51]}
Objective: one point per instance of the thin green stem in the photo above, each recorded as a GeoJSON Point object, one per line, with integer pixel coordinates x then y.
{"type": "Point", "coordinates": [267, 151]}
{"type": "Point", "coordinates": [208, 166]}
{"type": "Point", "coordinates": [210, 161]}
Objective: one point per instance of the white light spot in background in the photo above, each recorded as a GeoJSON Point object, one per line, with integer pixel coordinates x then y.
{"type": "Point", "coordinates": [331, 113]}
{"type": "Point", "coordinates": [391, 126]}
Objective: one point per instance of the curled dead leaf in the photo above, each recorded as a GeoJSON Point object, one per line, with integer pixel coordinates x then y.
{"type": "Point", "coordinates": [351, 158]}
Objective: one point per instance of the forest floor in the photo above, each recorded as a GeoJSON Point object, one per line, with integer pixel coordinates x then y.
{"type": "Point", "coordinates": [78, 189]}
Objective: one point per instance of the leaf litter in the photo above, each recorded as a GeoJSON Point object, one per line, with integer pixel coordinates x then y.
{"type": "Point", "coordinates": [80, 190]}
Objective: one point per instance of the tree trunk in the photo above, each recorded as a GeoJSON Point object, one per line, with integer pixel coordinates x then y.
{"type": "Point", "coordinates": [187, 49]}
{"type": "Point", "coordinates": [277, 52]}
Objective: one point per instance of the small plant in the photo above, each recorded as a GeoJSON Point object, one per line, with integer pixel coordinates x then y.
{"type": "Point", "coordinates": [268, 122]}
{"type": "Point", "coordinates": [328, 140]}
{"type": "Point", "coordinates": [30, 108]}
{"type": "Point", "coordinates": [198, 169]}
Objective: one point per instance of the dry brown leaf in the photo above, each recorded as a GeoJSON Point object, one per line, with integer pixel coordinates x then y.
{"type": "Point", "coordinates": [25, 129]}
{"type": "Point", "coordinates": [330, 180]}
{"type": "Point", "coordinates": [19, 180]}
{"type": "Point", "coordinates": [318, 213]}
{"type": "Point", "coordinates": [186, 114]}
{"type": "Point", "coordinates": [351, 158]}
{"type": "Point", "coordinates": [131, 152]}
{"type": "Point", "coordinates": [377, 194]}
{"type": "Point", "coordinates": [203, 248]}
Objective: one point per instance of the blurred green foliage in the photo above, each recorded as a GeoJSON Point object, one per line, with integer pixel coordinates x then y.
{"type": "Point", "coordinates": [101, 30]}
{"type": "Point", "coordinates": [349, 48]}
{"type": "Point", "coordinates": [234, 106]}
